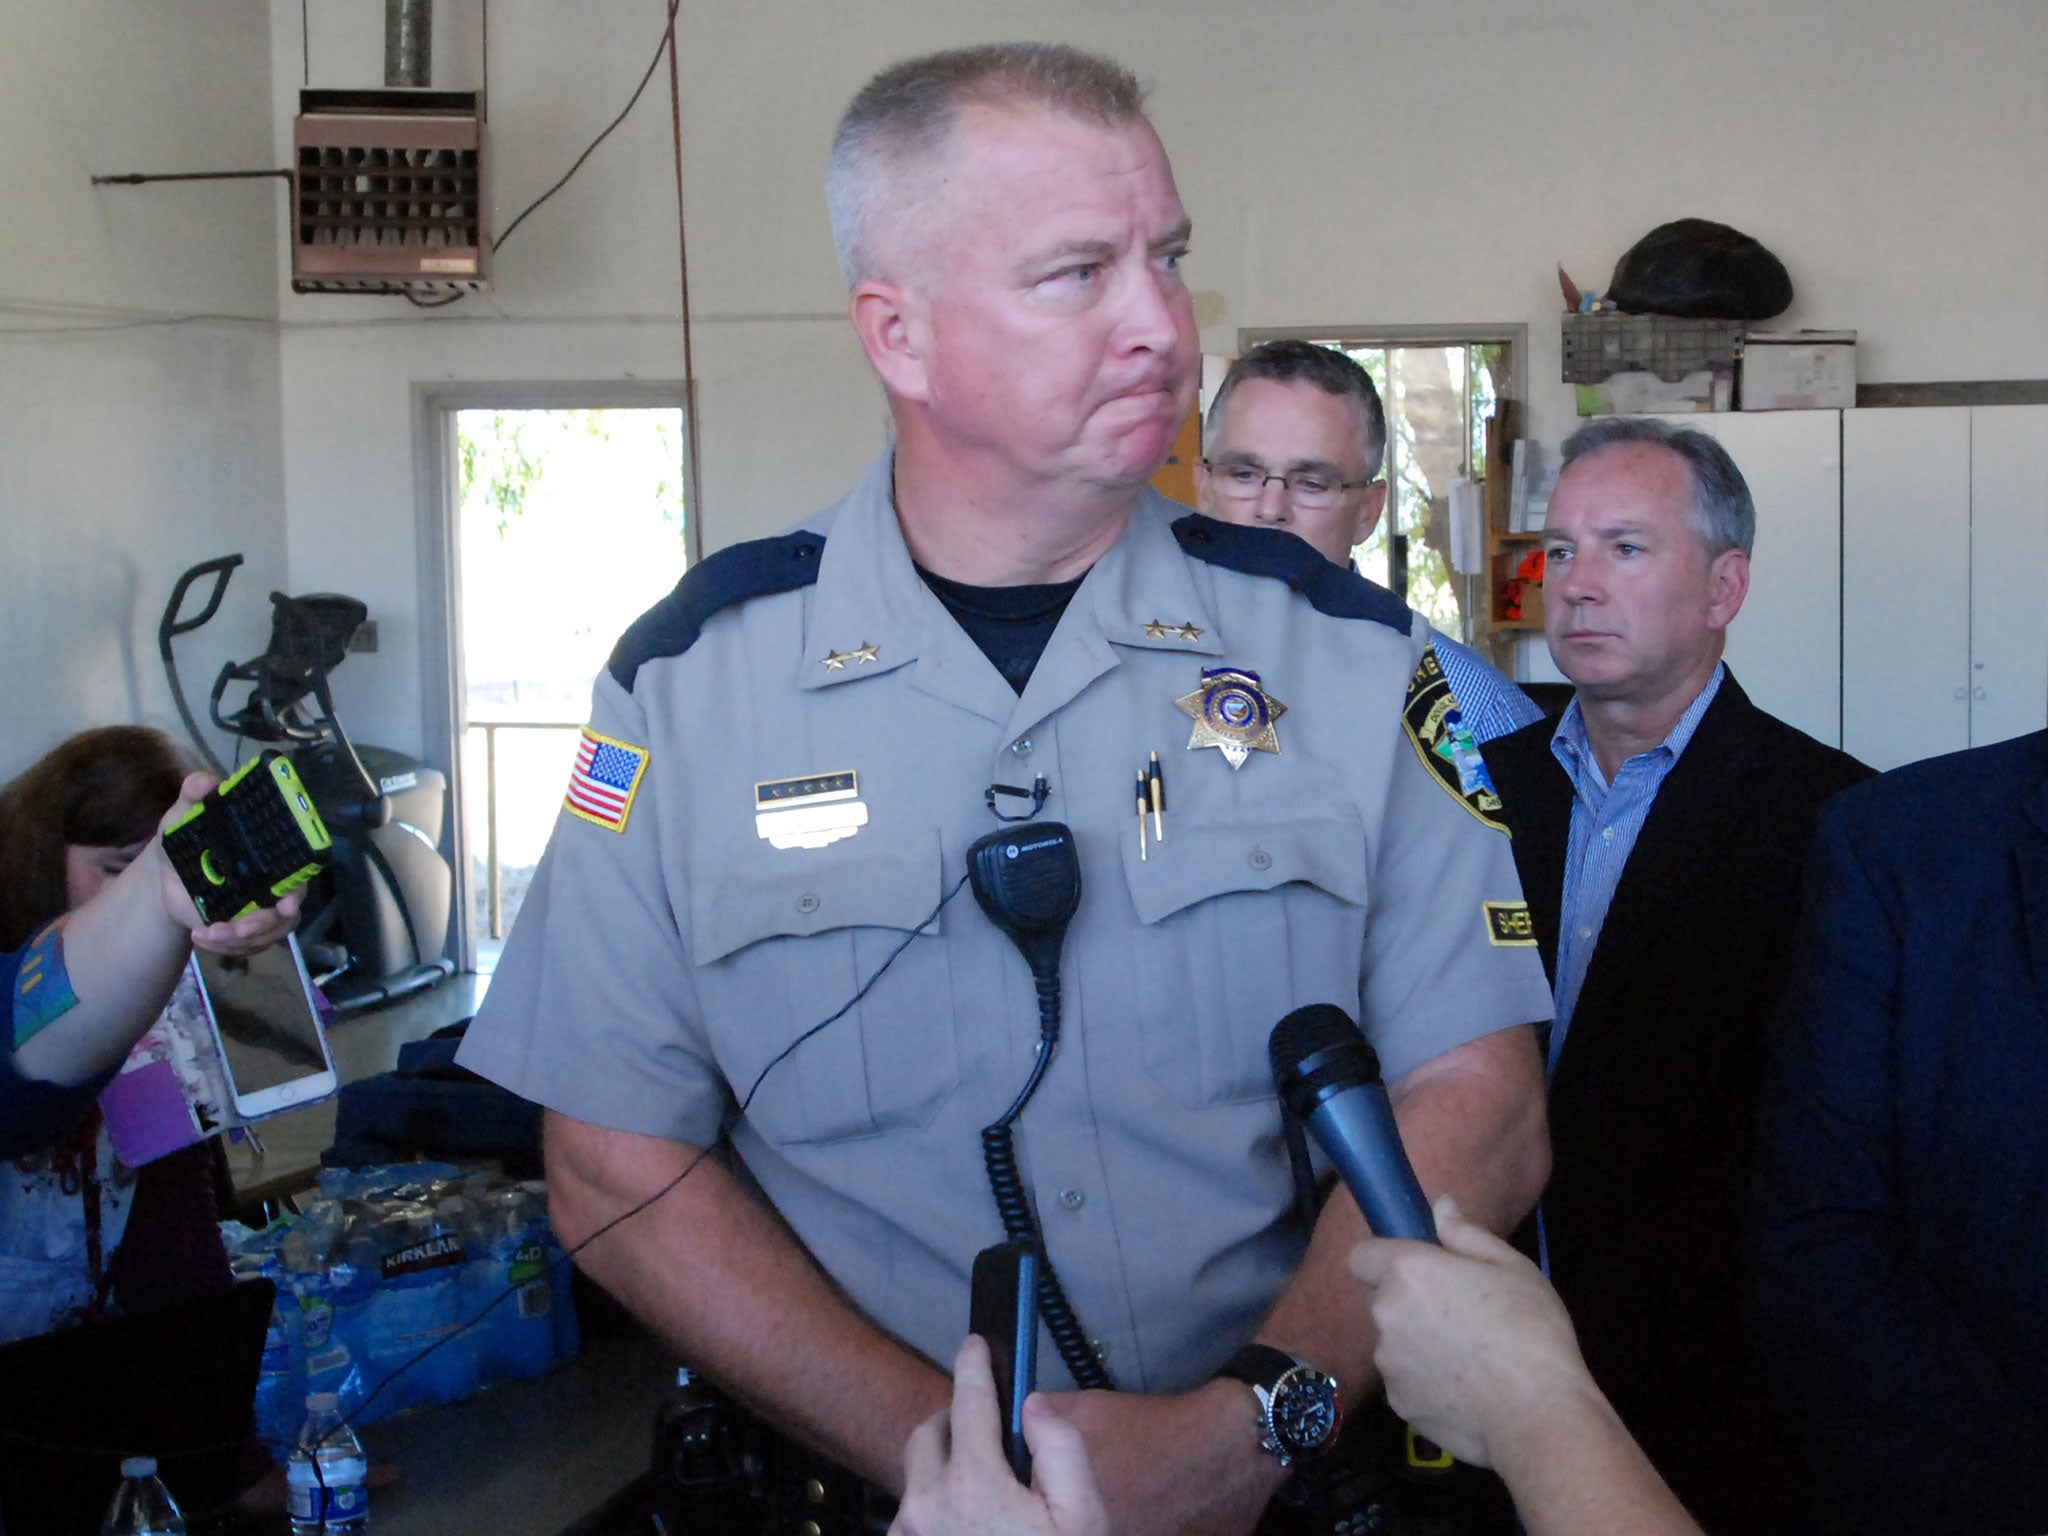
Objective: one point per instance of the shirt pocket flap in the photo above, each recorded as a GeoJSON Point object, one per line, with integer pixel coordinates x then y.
{"type": "Point", "coordinates": [1199, 861]}
{"type": "Point", "coordinates": [809, 891]}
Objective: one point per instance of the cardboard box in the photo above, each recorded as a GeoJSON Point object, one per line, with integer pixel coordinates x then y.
{"type": "Point", "coordinates": [1637, 392]}
{"type": "Point", "coordinates": [1798, 370]}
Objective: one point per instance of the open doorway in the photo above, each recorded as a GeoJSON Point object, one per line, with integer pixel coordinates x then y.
{"type": "Point", "coordinates": [568, 524]}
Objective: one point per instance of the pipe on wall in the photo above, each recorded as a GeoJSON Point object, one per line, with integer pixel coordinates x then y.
{"type": "Point", "coordinates": [408, 42]}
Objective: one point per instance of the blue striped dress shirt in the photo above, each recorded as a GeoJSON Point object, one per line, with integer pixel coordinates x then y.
{"type": "Point", "coordinates": [1606, 820]}
{"type": "Point", "coordinates": [1490, 702]}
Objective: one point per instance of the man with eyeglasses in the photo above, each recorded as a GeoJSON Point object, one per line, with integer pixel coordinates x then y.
{"type": "Point", "coordinates": [1295, 439]}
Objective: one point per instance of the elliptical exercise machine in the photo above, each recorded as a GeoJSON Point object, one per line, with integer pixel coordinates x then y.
{"type": "Point", "coordinates": [376, 922]}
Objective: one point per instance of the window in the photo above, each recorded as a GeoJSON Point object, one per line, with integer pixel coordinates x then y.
{"type": "Point", "coordinates": [1439, 384]}
{"type": "Point", "coordinates": [570, 523]}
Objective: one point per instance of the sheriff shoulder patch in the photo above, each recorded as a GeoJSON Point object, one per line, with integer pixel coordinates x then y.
{"type": "Point", "coordinates": [1509, 926]}
{"type": "Point", "coordinates": [605, 780]}
{"type": "Point", "coordinates": [1444, 743]}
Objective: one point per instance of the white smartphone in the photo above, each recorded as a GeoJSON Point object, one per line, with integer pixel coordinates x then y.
{"type": "Point", "coordinates": [269, 1029]}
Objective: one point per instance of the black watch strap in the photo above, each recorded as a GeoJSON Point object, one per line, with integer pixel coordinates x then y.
{"type": "Point", "coordinates": [1300, 1408]}
{"type": "Point", "coordinates": [1258, 1365]}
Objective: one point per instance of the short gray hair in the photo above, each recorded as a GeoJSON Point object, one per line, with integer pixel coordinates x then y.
{"type": "Point", "coordinates": [904, 117]}
{"type": "Point", "coordinates": [1723, 514]}
{"type": "Point", "coordinates": [1288, 361]}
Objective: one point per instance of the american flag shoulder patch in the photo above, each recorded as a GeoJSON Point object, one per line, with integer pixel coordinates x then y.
{"type": "Point", "coordinates": [604, 780]}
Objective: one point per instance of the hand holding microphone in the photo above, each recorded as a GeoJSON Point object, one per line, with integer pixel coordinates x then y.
{"type": "Point", "coordinates": [1472, 1340]}
{"type": "Point", "coordinates": [1474, 1346]}
{"type": "Point", "coordinates": [1477, 1353]}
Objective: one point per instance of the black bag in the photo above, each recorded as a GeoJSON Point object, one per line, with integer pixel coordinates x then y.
{"type": "Point", "coordinates": [1696, 269]}
{"type": "Point", "coordinates": [430, 1107]}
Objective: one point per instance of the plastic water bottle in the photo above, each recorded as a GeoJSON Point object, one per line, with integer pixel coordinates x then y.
{"type": "Point", "coordinates": [143, 1506]}
{"type": "Point", "coordinates": [326, 1474]}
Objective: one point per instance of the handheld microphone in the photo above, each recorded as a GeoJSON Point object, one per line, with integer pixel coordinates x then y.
{"type": "Point", "coordinates": [1003, 1309]}
{"type": "Point", "coordinates": [1329, 1081]}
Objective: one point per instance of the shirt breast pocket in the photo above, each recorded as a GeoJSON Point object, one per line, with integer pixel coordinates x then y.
{"type": "Point", "coordinates": [1241, 922]}
{"type": "Point", "coordinates": [787, 945]}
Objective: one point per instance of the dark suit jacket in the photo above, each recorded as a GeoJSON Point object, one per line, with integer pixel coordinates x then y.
{"type": "Point", "coordinates": [1653, 1104]}
{"type": "Point", "coordinates": [1902, 1195]}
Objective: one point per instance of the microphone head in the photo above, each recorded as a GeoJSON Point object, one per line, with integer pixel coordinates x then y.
{"type": "Point", "coordinates": [1317, 1050]}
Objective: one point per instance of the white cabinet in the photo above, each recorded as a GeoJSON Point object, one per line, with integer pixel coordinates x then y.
{"type": "Point", "coordinates": [2008, 572]}
{"type": "Point", "coordinates": [1944, 579]}
{"type": "Point", "coordinates": [1898, 596]}
{"type": "Point", "coordinates": [1785, 647]}
{"type": "Point", "coordinates": [1906, 581]}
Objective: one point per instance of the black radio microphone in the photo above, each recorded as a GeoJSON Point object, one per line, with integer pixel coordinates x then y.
{"type": "Point", "coordinates": [1329, 1081]}
{"type": "Point", "coordinates": [1028, 880]}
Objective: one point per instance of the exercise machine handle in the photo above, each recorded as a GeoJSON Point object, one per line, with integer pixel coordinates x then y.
{"type": "Point", "coordinates": [220, 570]}
{"type": "Point", "coordinates": [168, 626]}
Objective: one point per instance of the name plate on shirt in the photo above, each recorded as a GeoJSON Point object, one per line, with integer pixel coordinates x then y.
{"type": "Point", "coordinates": [811, 811]}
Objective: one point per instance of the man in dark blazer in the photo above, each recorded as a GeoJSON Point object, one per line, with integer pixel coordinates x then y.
{"type": "Point", "coordinates": [1660, 828]}
{"type": "Point", "coordinates": [1902, 1177]}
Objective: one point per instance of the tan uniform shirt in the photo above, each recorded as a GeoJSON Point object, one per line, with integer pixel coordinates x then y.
{"type": "Point", "coordinates": [655, 971]}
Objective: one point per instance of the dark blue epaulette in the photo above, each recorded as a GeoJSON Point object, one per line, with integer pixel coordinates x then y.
{"type": "Point", "coordinates": [735, 575]}
{"type": "Point", "coordinates": [1330, 588]}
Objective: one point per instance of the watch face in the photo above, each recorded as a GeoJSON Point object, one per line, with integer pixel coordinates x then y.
{"type": "Point", "coordinates": [1305, 1410]}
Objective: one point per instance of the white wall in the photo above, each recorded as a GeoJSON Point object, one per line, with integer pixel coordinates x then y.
{"type": "Point", "coordinates": [134, 441]}
{"type": "Point", "coordinates": [1345, 162]}
{"type": "Point", "coordinates": [1351, 161]}
{"type": "Point", "coordinates": [588, 290]}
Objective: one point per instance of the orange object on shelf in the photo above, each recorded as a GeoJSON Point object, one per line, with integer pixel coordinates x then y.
{"type": "Point", "coordinates": [1515, 598]}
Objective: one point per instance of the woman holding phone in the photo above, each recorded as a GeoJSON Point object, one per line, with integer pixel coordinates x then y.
{"type": "Point", "coordinates": [95, 929]}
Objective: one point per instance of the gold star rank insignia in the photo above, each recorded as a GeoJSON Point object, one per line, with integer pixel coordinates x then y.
{"type": "Point", "coordinates": [835, 661]}
{"type": "Point", "coordinates": [1233, 714]}
{"type": "Point", "coordinates": [1158, 631]}
{"type": "Point", "coordinates": [1189, 633]}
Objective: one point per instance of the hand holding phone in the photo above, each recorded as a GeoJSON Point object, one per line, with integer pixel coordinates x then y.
{"type": "Point", "coordinates": [254, 839]}
{"type": "Point", "coordinates": [956, 1479]}
{"type": "Point", "coordinates": [1003, 1309]}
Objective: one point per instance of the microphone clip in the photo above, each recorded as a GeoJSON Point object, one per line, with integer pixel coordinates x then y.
{"type": "Point", "coordinates": [1037, 794]}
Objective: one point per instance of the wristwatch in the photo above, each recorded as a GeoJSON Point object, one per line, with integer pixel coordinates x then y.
{"type": "Point", "coordinates": [1300, 1408]}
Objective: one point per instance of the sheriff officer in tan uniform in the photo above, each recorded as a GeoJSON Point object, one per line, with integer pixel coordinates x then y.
{"type": "Point", "coordinates": [788, 760]}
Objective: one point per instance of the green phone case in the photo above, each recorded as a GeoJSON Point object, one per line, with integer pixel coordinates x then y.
{"type": "Point", "coordinates": [252, 840]}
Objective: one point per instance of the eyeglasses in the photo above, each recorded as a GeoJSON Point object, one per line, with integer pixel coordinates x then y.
{"type": "Point", "coordinates": [1309, 489]}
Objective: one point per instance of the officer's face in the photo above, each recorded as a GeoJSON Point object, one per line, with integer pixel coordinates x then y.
{"type": "Point", "coordinates": [1059, 337]}
{"type": "Point", "coordinates": [1285, 427]}
{"type": "Point", "coordinates": [1634, 609]}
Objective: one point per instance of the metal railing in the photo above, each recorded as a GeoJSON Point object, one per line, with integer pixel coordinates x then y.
{"type": "Point", "coordinates": [494, 894]}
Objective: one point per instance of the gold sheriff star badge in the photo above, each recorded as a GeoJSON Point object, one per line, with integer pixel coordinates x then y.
{"type": "Point", "coordinates": [1233, 714]}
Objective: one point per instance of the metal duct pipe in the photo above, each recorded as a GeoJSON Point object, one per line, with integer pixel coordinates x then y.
{"type": "Point", "coordinates": [408, 42]}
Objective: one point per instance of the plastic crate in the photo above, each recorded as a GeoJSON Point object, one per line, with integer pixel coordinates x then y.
{"type": "Point", "coordinates": [1598, 346]}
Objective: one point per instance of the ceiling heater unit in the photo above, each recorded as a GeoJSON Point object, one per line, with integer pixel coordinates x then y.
{"type": "Point", "coordinates": [390, 193]}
